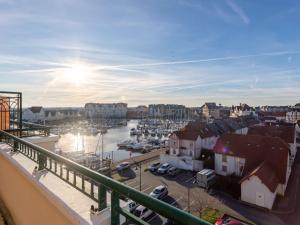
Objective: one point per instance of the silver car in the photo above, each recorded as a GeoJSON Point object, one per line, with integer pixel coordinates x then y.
{"type": "Point", "coordinates": [159, 192]}
{"type": "Point", "coordinates": [164, 168]}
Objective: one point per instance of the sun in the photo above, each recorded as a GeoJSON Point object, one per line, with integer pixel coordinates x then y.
{"type": "Point", "coordinates": [77, 73]}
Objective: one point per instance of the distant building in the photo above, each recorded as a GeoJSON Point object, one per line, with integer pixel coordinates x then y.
{"type": "Point", "coordinates": [211, 110]}
{"type": "Point", "coordinates": [34, 114]}
{"type": "Point", "coordinates": [270, 117]}
{"type": "Point", "coordinates": [268, 108]}
{"type": "Point", "coordinates": [242, 110]}
{"type": "Point", "coordinates": [294, 114]}
{"type": "Point", "coordinates": [60, 113]}
{"type": "Point", "coordinates": [138, 112]}
{"type": "Point", "coordinates": [40, 114]}
{"type": "Point", "coordinates": [106, 110]}
{"type": "Point", "coordinates": [169, 111]}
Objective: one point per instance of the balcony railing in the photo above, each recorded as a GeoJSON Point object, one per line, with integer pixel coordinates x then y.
{"type": "Point", "coordinates": [28, 129]}
{"type": "Point", "coordinates": [96, 185]}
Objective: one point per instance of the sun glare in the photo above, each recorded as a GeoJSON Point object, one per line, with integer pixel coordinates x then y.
{"type": "Point", "coordinates": [77, 73]}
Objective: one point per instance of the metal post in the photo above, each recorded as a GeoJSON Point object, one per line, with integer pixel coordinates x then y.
{"type": "Point", "coordinates": [189, 210]}
{"type": "Point", "coordinates": [20, 114]}
{"type": "Point", "coordinates": [102, 145]}
{"type": "Point", "coordinates": [115, 204]}
{"type": "Point", "coordinates": [102, 197]}
{"type": "Point", "coordinates": [41, 161]}
{"type": "Point", "coordinates": [140, 177]}
{"type": "Point", "coordinates": [15, 146]}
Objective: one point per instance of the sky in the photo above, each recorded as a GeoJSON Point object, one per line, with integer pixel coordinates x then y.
{"type": "Point", "coordinates": [69, 52]}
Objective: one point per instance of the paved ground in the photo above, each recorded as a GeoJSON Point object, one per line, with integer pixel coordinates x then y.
{"type": "Point", "coordinates": [150, 156]}
{"type": "Point", "coordinates": [293, 217]}
{"type": "Point", "coordinates": [181, 189]}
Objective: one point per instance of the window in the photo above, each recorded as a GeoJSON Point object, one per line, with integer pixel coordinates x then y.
{"type": "Point", "coordinates": [224, 159]}
{"type": "Point", "coordinates": [224, 168]}
{"type": "Point", "coordinates": [241, 169]}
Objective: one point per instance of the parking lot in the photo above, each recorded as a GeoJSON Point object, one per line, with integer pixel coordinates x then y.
{"type": "Point", "coordinates": [181, 187]}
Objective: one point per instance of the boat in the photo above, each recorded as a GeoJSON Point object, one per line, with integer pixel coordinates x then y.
{"type": "Point", "coordinates": [124, 144]}
{"type": "Point", "coordinates": [133, 131]}
{"type": "Point", "coordinates": [138, 146]}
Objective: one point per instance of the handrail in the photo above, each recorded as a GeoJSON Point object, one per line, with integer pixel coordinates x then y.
{"type": "Point", "coordinates": [28, 127]}
{"type": "Point", "coordinates": [160, 207]}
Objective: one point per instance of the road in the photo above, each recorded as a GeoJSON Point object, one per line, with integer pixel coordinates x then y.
{"type": "Point", "coordinates": [181, 189]}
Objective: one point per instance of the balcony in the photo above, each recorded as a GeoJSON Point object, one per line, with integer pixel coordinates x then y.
{"type": "Point", "coordinates": [41, 187]}
{"type": "Point", "coordinates": [76, 188]}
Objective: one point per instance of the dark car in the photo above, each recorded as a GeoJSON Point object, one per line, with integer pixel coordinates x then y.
{"type": "Point", "coordinates": [173, 171]}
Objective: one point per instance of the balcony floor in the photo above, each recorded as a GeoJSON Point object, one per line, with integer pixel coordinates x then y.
{"type": "Point", "coordinates": [70, 201]}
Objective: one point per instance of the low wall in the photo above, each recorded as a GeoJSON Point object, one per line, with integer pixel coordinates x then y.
{"type": "Point", "coordinates": [25, 202]}
{"type": "Point", "coordinates": [184, 163]}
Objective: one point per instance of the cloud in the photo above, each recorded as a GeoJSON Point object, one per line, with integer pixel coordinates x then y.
{"type": "Point", "coordinates": [238, 10]}
{"type": "Point", "coordinates": [162, 63]}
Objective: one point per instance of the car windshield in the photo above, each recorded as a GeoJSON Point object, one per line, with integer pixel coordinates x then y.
{"type": "Point", "coordinates": [157, 190]}
{"type": "Point", "coordinates": [165, 166]}
{"type": "Point", "coordinates": [138, 213]}
{"type": "Point", "coordinates": [155, 164]}
{"type": "Point", "coordinates": [124, 164]}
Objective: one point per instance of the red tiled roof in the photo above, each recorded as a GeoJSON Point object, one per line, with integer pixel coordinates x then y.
{"type": "Point", "coordinates": [187, 134]}
{"type": "Point", "coordinates": [35, 109]}
{"type": "Point", "coordinates": [201, 128]}
{"type": "Point", "coordinates": [266, 174]}
{"type": "Point", "coordinates": [256, 149]}
{"type": "Point", "coordinates": [193, 130]}
{"type": "Point", "coordinates": [276, 114]}
{"type": "Point", "coordinates": [286, 133]}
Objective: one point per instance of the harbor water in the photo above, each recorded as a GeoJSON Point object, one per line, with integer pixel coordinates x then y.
{"type": "Point", "coordinates": [70, 142]}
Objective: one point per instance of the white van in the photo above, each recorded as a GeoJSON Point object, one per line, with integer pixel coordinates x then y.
{"type": "Point", "coordinates": [206, 177]}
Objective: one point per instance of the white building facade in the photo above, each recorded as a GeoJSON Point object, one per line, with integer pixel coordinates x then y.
{"type": "Point", "coordinates": [34, 114]}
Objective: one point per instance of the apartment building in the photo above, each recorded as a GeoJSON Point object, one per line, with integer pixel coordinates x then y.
{"type": "Point", "coordinates": [106, 110]}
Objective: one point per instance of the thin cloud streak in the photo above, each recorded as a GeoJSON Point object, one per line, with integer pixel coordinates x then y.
{"type": "Point", "coordinates": [238, 10]}
{"type": "Point", "coordinates": [199, 60]}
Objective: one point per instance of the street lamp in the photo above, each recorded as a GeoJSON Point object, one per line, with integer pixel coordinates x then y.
{"type": "Point", "coordinates": [140, 166]}
{"type": "Point", "coordinates": [188, 190]}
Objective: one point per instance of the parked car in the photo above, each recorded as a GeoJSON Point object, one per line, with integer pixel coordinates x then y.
{"type": "Point", "coordinates": [173, 171]}
{"type": "Point", "coordinates": [170, 222]}
{"type": "Point", "coordinates": [159, 192]}
{"type": "Point", "coordinates": [228, 222]}
{"type": "Point", "coordinates": [123, 166]}
{"type": "Point", "coordinates": [154, 167]}
{"type": "Point", "coordinates": [132, 205]}
{"type": "Point", "coordinates": [164, 168]}
{"type": "Point", "coordinates": [142, 212]}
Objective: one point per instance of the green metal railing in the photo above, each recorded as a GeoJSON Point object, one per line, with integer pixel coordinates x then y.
{"type": "Point", "coordinates": [96, 185]}
{"type": "Point", "coordinates": [28, 129]}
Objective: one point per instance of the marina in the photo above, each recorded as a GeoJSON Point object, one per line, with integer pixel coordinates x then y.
{"type": "Point", "coordinates": [116, 140]}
